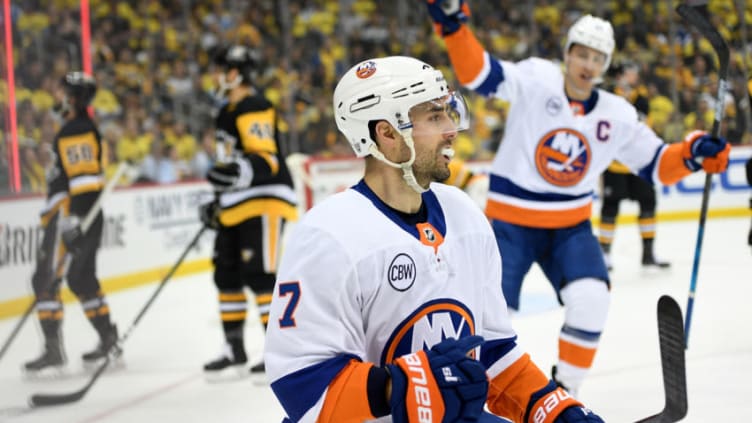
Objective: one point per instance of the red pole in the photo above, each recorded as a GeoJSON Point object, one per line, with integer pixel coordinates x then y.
{"type": "Point", "coordinates": [15, 168]}
{"type": "Point", "coordinates": [86, 42]}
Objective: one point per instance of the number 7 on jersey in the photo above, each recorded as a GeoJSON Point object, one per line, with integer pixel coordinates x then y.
{"type": "Point", "coordinates": [291, 289]}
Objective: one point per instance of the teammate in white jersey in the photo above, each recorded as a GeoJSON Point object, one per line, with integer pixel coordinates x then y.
{"type": "Point", "coordinates": [384, 288]}
{"type": "Point", "coordinates": [561, 133]}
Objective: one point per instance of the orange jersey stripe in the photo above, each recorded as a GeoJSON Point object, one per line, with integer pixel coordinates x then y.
{"type": "Point", "coordinates": [465, 53]}
{"type": "Point", "coordinates": [575, 354]}
{"type": "Point", "coordinates": [549, 219]}
{"type": "Point", "coordinates": [347, 397]}
{"type": "Point", "coordinates": [509, 392]}
{"type": "Point", "coordinates": [671, 168]}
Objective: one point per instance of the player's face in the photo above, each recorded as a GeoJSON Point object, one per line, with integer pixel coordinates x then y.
{"type": "Point", "coordinates": [435, 126]}
{"type": "Point", "coordinates": [583, 66]}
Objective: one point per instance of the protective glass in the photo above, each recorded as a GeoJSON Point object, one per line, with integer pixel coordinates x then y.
{"type": "Point", "coordinates": [441, 116]}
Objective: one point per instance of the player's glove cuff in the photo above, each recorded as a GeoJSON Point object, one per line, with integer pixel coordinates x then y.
{"type": "Point", "coordinates": [702, 151]}
{"type": "Point", "coordinates": [552, 404]}
{"type": "Point", "coordinates": [448, 15]}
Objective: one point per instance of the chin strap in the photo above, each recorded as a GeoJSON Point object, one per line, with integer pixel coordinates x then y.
{"type": "Point", "coordinates": [407, 167]}
{"type": "Point", "coordinates": [225, 86]}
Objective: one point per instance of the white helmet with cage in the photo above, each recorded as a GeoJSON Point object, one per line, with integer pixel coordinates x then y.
{"type": "Point", "coordinates": [593, 32]}
{"type": "Point", "coordinates": [387, 89]}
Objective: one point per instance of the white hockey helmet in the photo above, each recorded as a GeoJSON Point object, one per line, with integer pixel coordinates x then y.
{"type": "Point", "coordinates": [593, 32]}
{"type": "Point", "coordinates": [383, 89]}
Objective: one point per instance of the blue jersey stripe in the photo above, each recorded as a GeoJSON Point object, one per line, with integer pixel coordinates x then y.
{"type": "Point", "coordinates": [494, 78]}
{"type": "Point", "coordinates": [299, 391]}
{"type": "Point", "coordinates": [492, 351]}
{"type": "Point", "coordinates": [502, 185]}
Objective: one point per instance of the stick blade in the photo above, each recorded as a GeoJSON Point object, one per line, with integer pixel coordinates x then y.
{"type": "Point", "coordinates": [46, 400]}
{"type": "Point", "coordinates": [701, 23]}
{"type": "Point", "coordinates": [671, 339]}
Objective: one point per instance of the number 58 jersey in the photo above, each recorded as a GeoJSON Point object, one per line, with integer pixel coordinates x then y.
{"type": "Point", "coordinates": [360, 281]}
{"type": "Point", "coordinates": [77, 168]}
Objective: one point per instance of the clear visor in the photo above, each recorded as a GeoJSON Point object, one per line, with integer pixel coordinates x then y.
{"type": "Point", "coordinates": [445, 115]}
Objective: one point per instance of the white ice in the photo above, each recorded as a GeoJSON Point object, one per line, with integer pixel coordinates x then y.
{"type": "Point", "coordinates": [162, 380]}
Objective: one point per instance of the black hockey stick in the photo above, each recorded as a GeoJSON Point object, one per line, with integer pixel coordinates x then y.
{"type": "Point", "coordinates": [671, 338]}
{"type": "Point", "coordinates": [694, 17]}
{"type": "Point", "coordinates": [40, 400]}
{"type": "Point", "coordinates": [62, 267]}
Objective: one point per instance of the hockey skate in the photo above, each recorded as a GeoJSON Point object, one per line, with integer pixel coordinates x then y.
{"type": "Point", "coordinates": [230, 365]}
{"type": "Point", "coordinates": [108, 344]}
{"type": "Point", "coordinates": [649, 261]}
{"type": "Point", "coordinates": [258, 368]}
{"type": "Point", "coordinates": [50, 364]}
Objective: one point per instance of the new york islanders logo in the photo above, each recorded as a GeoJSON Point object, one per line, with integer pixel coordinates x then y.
{"type": "Point", "coordinates": [563, 157]}
{"type": "Point", "coordinates": [365, 69]}
{"type": "Point", "coordinates": [428, 325]}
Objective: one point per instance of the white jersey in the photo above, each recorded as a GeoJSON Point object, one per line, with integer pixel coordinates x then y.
{"type": "Point", "coordinates": [357, 282]}
{"type": "Point", "coordinates": [552, 155]}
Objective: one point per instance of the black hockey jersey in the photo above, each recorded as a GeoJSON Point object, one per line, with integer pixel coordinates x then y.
{"type": "Point", "coordinates": [77, 167]}
{"type": "Point", "coordinates": [247, 130]}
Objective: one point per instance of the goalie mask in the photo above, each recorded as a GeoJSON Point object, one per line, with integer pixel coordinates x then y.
{"type": "Point", "coordinates": [390, 89]}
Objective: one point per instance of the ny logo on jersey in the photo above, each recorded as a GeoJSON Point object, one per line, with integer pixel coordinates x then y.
{"type": "Point", "coordinates": [428, 325]}
{"type": "Point", "coordinates": [563, 157]}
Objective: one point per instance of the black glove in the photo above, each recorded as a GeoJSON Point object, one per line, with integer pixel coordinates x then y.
{"type": "Point", "coordinates": [71, 233]}
{"type": "Point", "coordinates": [230, 176]}
{"type": "Point", "coordinates": [209, 214]}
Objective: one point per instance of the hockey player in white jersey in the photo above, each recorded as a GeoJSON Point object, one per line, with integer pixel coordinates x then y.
{"type": "Point", "coordinates": [387, 305]}
{"type": "Point", "coordinates": [561, 133]}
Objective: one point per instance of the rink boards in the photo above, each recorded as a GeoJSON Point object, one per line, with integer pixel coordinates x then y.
{"type": "Point", "coordinates": [147, 227]}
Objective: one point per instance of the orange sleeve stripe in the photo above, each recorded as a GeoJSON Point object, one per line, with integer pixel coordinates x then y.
{"type": "Point", "coordinates": [509, 392]}
{"type": "Point", "coordinates": [347, 397]}
{"type": "Point", "coordinates": [466, 54]}
{"type": "Point", "coordinates": [671, 168]}
{"type": "Point", "coordinates": [575, 354]}
{"type": "Point", "coordinates": [550, 219]}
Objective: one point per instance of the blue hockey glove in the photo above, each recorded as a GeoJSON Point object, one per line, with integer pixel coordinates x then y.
{"type": "Point", "coordinates": [448, 15]}
{"type": "Point", "coordinates": [442, 384]}
{"type": "Point", "coordinates": [209, 214]}
{"type": "Point", "coordinates": [701, 151]}
{"type": "Point", "coordinates": [554, 404]}
{"type": "Point", "coordinates": [71, 233]}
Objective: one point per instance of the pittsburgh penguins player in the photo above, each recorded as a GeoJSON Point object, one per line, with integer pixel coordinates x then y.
{"type": "Point", "coordinates": [254, 198]}
{"type": "Point", "coordinates": [73, 185]}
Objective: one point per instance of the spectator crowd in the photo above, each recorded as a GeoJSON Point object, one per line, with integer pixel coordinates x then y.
{"type": "Point", "coordinates": [152, 62]}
